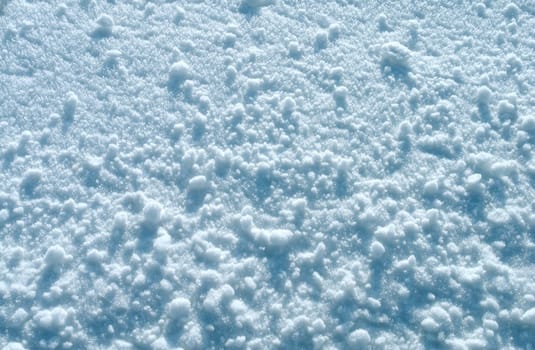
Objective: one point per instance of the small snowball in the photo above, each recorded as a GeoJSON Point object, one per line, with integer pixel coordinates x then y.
{"type": "Point", "coordinates": [104, 26]}
{"type": "Point", "coordinates": [253, 86]}
{"type": "Point", "coordinates": [159, 344]}
{"type": "Point", "coordinates": [294, 51]}
{"type": "Point", "coordinates": [528, 124]}
{"type": "Point", "coordinates": [51, 320]}
{"type": "Point", "coordinates": [473, 183]}
{"type": "Point", "coordinates": [14, 345]}
{"type": "Point", "coordinates": [55, 256]}
{"type": "Point", "coordinates": [430, 325]}
{"type": "Point", "coordinates": [112, 58]}
{"type": "Point", "coordinates": [483, 95]}
{"type": "Point", "coordinates": [229, 40]}
{"type": "Point", "coordinates": [359, 339]}
{"type": "Point", "coordinates": [120, 221]}
{"type": "Point", "coordinates": [162, 245]}
{"type": "Point", "coordinates": [506, 110]}
{"type": "Point", "coordinates": [256, 3]}
{"type": "Point", "coordinates": [30, 180]}
{"type": "Point", "coordinates": [4, 216]}
{"type": "Point", "coordinates": [514, 63]}
{"type": "Point", "coordinates": [321, 40]}
{"type": "Point", "coordinates": [340, 96]}
{"type": "Point", "coordinates": [498, 217]}
{"type": "Point", "coordinates": [377, 250]}
{"type": "Point", "coordinates": [152, 214]}
{"type": "Point", "coordinates": [179, 309]}
{"type": "Point", "coordinates": [95, 256]}
{"type": "Point", "coordinates": [481, 9]}
{"type": "Point", "coordinates": [334, 31]}
{"type": "Point", "coordinates": [199, 125]}
{"type": "Point", "coordinates": [180, 71]}
{"type": "Point", "coordinates": [287, 105]}
{"type": "Point", "coordinates": [246, 223]}
{"type": "Point", "coordinates": [274, 238]}
{"type": "Point", "coordinates": [180, 14]}
{"type": "Point", "coordinates": [198, 184]}
{"type": "Point", "coordinates": [431, 188]}
{"type": "Point", "coordinates": [511, 11]}
{"type": "Point", "coordinates": [69, 107]}
{"type": "Point", "coordinates": [528, 317]}
{"type": "Point", "coordinates": [382, 23]}
{"type": "Point", "coordinates": [18, 318]}
{"type": "Point", "coordinates": [395, 57]}
{"type": "Point", "coordinates": [404, 130]}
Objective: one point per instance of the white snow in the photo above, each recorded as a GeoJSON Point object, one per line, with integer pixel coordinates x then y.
{"type": "Point", "coordinates": [267, 174]}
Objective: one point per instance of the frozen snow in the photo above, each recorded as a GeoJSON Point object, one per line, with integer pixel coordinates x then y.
{"type": "Point", "coordinates": [267, 174]}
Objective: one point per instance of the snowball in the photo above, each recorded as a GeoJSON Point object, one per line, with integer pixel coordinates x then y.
{"type": "Point", "coordinates": [430, 325]}
{"type": "Point", "coordinates": [431, 188]}
{"type": "Point", "coordinates": [287, 105]}
{"type": "Point", "coordinates": [160, 344]}
{"type": "Point", "coordinates": [198, 184]}
{"type": "Point", "coordinates": [483, 95]}
{"type": "Point", "coordinates": [294, 51]}
{"type": "Point", "coordinates": [179, 72]}
{"type": "Point", "coordinates": [179, 309]}
{"type": "Point", "coordinates": [162, 245]}
{"type": "Point", "coordinates": [104, 26]}
{"type": "Point", "coordinates": [395, 56]}
{"type": "Point", "coordinates": [382, 23]}
{"type": "Point", "coordinates": [112, 57]}
{"type": "Point", "coordinates": [18, 318]}
{"type": "Point", "coordinates": [256, 3]}
{"type": "Point", "coordinates": [481, 9]}
{"type": "Point", "coordinates": [238, 307]}
{"type": "Point", "coordinates": [69, 107]}
{"type": "Point", "coordinates": [246, 223]}
{"type": "Point", "coordinates": [55, 256]}
{"type": "Point", "coordinates": [340, 96]}
{"type": "Point", "coordinates": [511, 11]}
{"type": "Point", "coordinates": [252, 86]}
{"type": "Point", "coordinates": [95, 256]}
{"type": "Point", "coordinates": [321, 40]}
{"type": "Point", "coordinates": [506, 110]}
{"type": "Point", "coordinates": [404, 130]}
{"type": "Point", "coordinates": [473, 184]}
{"type": "Point", "coordinates": [30, 180]}
{"type": "Point", "coordinates": [152, 213]}
{"type": "Point", "coordinates": [528, 124]}
{"type": "Point", "coordinates": [334, 31]}
{"type": "Point", "coordinates": [274, 238]}
{"type": "Point", "coordinates": [528, 317]}
{"type": "Point", "coordinates": [14, 346]}
{"type": "Point", "coordinates": [377, 250]}
{"type": "Point", "coordinates": [498, 217]}
{"type": "Point", "coordinates": [51, 320]}
{"type": "Point", "coordinates": [120, 221]}
{"type": "Point", "coordinates": [180, 14]}
{"type": "Point", "coordinates": [440, 315]}
{"type": "Point", "coordinates": [359, 339]}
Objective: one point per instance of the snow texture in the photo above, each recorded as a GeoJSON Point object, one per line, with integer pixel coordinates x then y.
{"type": "Point", "coordinates": [267, 174]}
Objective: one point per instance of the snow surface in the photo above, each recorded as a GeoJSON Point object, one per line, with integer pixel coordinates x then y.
{"type": "Point", "coordinates": [263, 174]}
